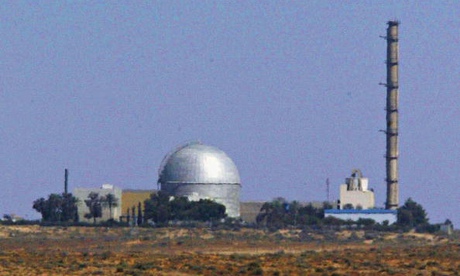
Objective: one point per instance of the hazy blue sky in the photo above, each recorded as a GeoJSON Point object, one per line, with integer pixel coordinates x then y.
{"type": "Point", "coordinates": [289, 89]}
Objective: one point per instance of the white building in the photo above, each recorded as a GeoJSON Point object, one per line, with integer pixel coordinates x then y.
{"type": "Point", "coordinates": [82, 194]}
{"type": "Point", "coordinates": [355, 192]}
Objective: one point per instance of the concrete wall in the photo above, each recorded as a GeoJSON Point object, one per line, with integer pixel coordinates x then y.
{"type": "Point", "coordinates": [132, 198]}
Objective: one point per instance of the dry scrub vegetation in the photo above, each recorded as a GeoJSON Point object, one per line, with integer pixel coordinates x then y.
{"type": "Point", "coordinates": [35, 250]}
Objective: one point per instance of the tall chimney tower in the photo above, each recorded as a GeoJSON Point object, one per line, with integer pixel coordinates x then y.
{"type": "Point", "coordinates": [392, 85]}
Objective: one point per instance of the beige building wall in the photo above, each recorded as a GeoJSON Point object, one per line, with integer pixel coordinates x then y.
{"type": "Point", "coordinates": [132, 198]}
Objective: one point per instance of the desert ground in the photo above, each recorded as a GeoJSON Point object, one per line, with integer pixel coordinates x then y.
{"type": "Point", "coordinates": [38, 250]}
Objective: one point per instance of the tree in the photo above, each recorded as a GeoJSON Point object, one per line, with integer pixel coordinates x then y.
{"type": "Point", "coordinates": [69, 207]}
{"type": "Point", "coordinates": [41, 206]}
{"type": "Point", "coordinates": [157, 208]}
{"type": "Point", "coordinates": [272, 214]}
{"type": "Point", "coordinates": [412, 214]}
{"type": "Point", "coordinates": [206, 210]}
{"type": "Point", "coordinates": [180, 209]}
{"type": "Point", "coordinates": [133, 214]}
{"type": "Point", "coordinates": [94, 203]}
{"type": "Point", "coordinates": [310, 215]}
{"type": "Point", "coordinates": [57, 208]}
{"type": "Point", "coordinates": [293, 212]}
{"type": "Point", "coordinates": [162, 208]}
{"type": "Point", "coordinates": [279, 214]}
{"type": "Point", "coordinates": [139, 214]}
{"type": "Point", "coordinates": [110, 200]}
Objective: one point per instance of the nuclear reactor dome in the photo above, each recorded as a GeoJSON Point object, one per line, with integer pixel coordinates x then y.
{"type": "Point", "coordinates": [199, 171]}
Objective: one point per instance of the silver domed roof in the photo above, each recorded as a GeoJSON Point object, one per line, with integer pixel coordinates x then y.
{"type": "Point", "coordinates": [198, 163]}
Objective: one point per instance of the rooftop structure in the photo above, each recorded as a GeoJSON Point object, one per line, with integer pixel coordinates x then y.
{"type": "Point", "coordinates": [354, 194]}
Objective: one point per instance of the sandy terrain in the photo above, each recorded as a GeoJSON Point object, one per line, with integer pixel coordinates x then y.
{"type": "Point", "coordinates": [35, 250]}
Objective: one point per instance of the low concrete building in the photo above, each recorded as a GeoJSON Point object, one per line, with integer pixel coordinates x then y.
{"type": "Point", "coordinates": [82, 194]}
{"type": "Point", "coordinates": [378, 215]}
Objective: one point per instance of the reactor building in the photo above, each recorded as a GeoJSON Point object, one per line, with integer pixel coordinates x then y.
{"type": "Point", "coordinates": [199, 171]}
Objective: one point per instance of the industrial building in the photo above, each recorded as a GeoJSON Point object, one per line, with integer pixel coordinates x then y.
{"type": "Point", "coordinates": [355, 193]}
{"type": "Point", "coordinates": [199, 171]}
{"type": "Point", "coordinates": [82, 194]}
{"type": "Point", "coordinates": [126, 200]}
{"type": "Point", "coordinates": [357, 201]}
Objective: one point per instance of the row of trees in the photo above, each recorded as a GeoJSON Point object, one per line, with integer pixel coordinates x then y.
{"type": "Point", "coordinates": [131, 217]}
{"type": "Point", "coordinates": [57, 208]}
{"type": "Point", "coordinates": [162, 208]}
{"type": "Point", "coordinates": [63, 207]}
{"type": "Point", "coordinates": [159, 208]}
{"type": "Point", "coordinates": [96, 203]}
{"type": "Point", "coordinates": [280, 213]}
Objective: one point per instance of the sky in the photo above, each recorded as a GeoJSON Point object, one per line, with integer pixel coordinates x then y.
{"type": "Point", "coordinates": [288, 89]}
